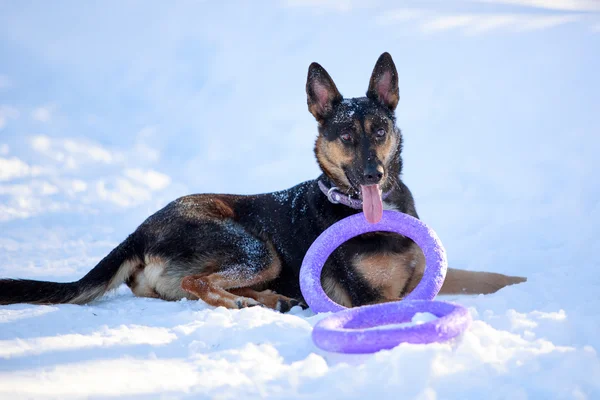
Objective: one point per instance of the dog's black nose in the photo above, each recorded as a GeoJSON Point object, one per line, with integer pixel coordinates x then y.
{"type": "Point", "coordinates": [373, 175]}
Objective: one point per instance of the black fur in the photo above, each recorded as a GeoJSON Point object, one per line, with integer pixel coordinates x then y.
{"type": "Point", "coordinates": [293, 219]}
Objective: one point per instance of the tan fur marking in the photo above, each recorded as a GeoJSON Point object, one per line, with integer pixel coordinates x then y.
{"type": "Point", "coordinates": [331, 156]}
{"type": "Point", "coordinates": [165, 286]}
{"type": "Point", "coordinates": [140, 286]}
{"type": "Point", "coordinates": [215, 288]}
{"type": "Point", "coordinates": [222, 208]}
{"type": "Point", "coordinates": [152, 259]}
{"type": "Point", "coordinates": [335, 291]}
{"type": "Point", "coordinates": [266, 297]}
{"type": "Point", "coordinates": [207, 288]}
{"type": "Point", "coordinates": [388, 272]}
{"type": "Point", "coordinates": [125, 270]}
{"type": "Point", "coordinates": [460, 281]}
{"type": "Point", "coordinates": [88, 295]}
{"type": "Point", "coordinates": [386, 150]}
{"type": "Point", "coordinates": [474, 282]}
{"type": "Point", "coordinates": [209, 206]}
{"type": "Point", "coordinates": [368, 125]}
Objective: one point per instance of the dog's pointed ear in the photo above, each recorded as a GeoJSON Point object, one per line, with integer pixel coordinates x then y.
{"type": "Point", "coordinates": [321, 92]}
{"type": "Point", "coordinates": [383, 86]}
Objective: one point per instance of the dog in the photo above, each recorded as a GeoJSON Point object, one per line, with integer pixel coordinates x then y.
{"type": "Point", "coordinates": [240, 251]}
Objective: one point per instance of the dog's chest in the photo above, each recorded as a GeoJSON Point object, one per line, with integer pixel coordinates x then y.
{"type": "Point", "coordinates": [388, 272]}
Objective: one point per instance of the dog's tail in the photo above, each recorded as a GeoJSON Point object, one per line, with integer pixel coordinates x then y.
{"type": "Point", "coordinates": [110, 272]}
{"type": "Point", "coordinates": [459, 281]}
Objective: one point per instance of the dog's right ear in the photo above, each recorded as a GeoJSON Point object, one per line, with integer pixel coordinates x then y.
{"type": "Point", "coordinates": [322, 94]}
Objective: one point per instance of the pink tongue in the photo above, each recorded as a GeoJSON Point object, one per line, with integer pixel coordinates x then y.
{"type": "Point", "coordinates": [372, 204]}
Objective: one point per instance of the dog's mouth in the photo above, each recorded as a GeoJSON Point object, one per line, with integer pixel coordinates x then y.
{"type": "Point", "coordinates": [372, 202]}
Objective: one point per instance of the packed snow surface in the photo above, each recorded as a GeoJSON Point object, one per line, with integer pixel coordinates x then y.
{"type": "Point", "coordinates": [108, 111]}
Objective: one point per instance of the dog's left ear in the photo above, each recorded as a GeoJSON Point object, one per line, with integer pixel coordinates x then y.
{"type": "Point", "coordinates": [383, 86]}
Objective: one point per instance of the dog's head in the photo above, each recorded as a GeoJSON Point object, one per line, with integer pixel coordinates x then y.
{"type": "Point", "coordinates": [359, 145]}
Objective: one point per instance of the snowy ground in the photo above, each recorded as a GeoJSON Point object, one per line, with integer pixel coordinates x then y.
{"type": "Point", "coordinates": [107, 112]}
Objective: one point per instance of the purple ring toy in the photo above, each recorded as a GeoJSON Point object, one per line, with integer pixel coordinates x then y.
{"type": "Point", "coordinates": [351, 330]}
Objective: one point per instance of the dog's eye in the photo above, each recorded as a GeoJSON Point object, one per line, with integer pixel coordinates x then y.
{"type": "Point", "coordinates": [346, 137]}
{"type": "Point", "coordinates": [380, 132]}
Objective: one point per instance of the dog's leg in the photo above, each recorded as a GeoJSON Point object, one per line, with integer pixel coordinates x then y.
{"type": "Point", "coordinates": [212, 289]}
{"type": "Point", "coordinates": [270, 299]}
{"type": "Point", "coordinates": [216, 288]}
{"type": "Point", "coordinates": [460, 281]}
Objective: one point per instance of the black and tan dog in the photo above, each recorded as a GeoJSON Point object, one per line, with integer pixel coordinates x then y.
{"type": "Point", "coordinates": [240, 251]}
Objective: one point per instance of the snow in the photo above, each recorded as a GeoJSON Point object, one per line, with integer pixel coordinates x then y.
{"type": "Point", "coordinates": [146, 347]}
{"type": "Point", "coordinates": [501, 142]}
